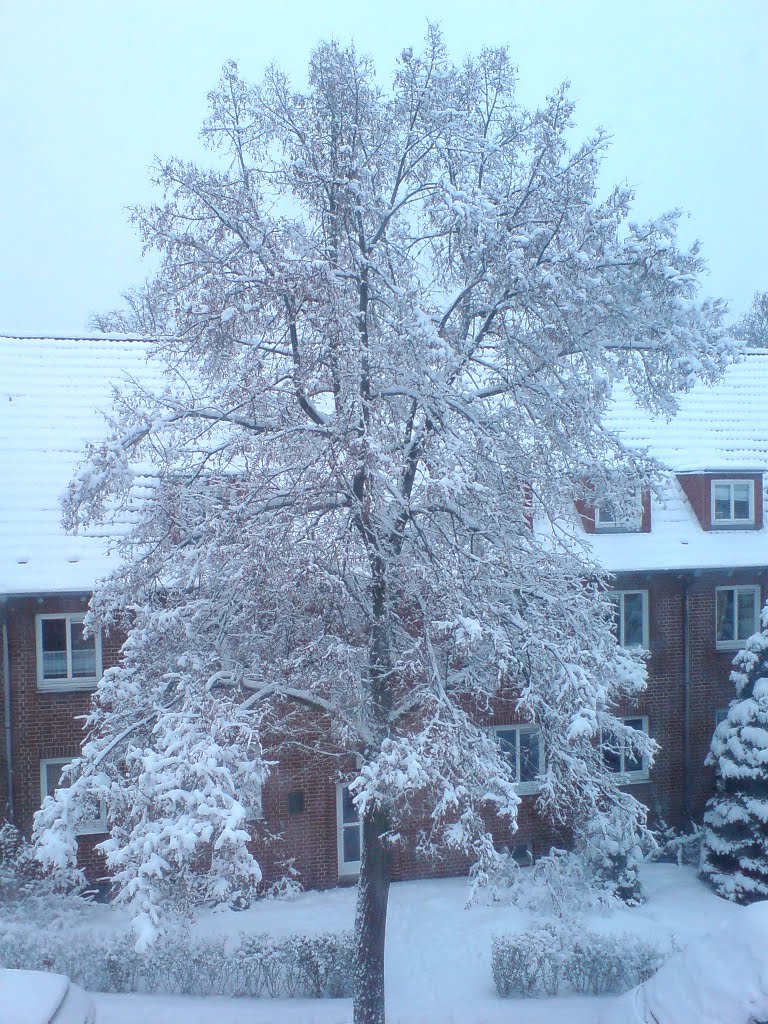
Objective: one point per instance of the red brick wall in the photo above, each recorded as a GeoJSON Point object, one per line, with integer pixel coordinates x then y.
{"type": "Point", "coordinates": [43, 723]}
{"type": "Point", "coordinates": [44, 726]}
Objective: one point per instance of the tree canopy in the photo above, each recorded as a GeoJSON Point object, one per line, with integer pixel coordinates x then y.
{"type": "Point", "coordinates": [389, 320]}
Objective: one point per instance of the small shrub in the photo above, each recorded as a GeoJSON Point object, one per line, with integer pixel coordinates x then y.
{"type": "Point", "coordinates": [550, 958]}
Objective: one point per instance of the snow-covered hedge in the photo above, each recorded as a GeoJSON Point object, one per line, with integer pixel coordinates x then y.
{"type": "Point", "coordinates": [296, 966]}
{"type": "Point", "coordinates": [554, 957]}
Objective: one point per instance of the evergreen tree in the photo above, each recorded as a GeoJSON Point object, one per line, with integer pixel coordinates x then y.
{"type": "Point", "coordinates": [735, 846]}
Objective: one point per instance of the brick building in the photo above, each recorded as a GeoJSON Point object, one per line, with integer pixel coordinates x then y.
{"type": "Point", "coordinates": [689, 566]}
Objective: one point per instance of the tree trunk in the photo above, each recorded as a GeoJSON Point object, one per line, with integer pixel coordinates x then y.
{"type": "Point", "coordinates": [371, 921]}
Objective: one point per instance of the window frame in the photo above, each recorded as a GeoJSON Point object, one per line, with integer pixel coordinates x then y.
{"type": "Point", "coordinates": [639, 775]}
{"type": "Point", "coordinates": [68, 682]}
{"type": "Point", "coordinates": [523, 788]}
{"type": "Point", "coordinates": [96, 827]}
{"type": "Point", "coordinates": [731, 523]}
{"type": "Point", "coordinates": [620, 619]}
{"type": "Point", "coordinates": [349, 868]}
{"type": "Point", "coordinates": [738, 642]}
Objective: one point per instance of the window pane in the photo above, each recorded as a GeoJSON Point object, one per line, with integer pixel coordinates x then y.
{"type": "Point", "coordinates": [351, 843]}
{"type": "Point", "coordinates": [507, 740]}
{"type": "Point", "coordinates": [83, 652]}
{"type": "Point", "coordinates": [348, 810]}
{"type": "Point", "coordinates": [725, 615]}
{"type": "Point", "coordinates": [633, 620]}
{"type": "Point", "coordinates": [632, 761]}
{"type": "Point", "coordinates": [611, 755]}
{"type": "Point", "coordinates": [53, 777]}
{"type": "Point", "coordinates": [722, 501]}
{"type": "Point", "coordinates": [54, 633]}
{"type": "Point", "coordinates": [606, 514]}
{"type": "Point", "coordinates": [530, 740]}
{"type": "Point", "coordinates": [745, 601]}
{"type": "Point", "coordinates": [741, 494]}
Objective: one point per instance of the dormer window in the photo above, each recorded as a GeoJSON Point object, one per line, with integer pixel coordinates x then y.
{"type": "Point", "coordinates": [625, 518]}
{"type": "Point", "coordinates": [733, 503]}
{"type": "Point", "coordinates": [608, 517]}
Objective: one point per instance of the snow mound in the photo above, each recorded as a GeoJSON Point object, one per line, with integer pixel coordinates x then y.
{"type": "Point", "coordinates": [720, 978]}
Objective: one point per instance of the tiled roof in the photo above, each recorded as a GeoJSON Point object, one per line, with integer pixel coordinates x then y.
{"type": "Point", "coordinates": [52, 388]}
{"type": "Point", "coordinates": [720, 428]}
{"type": "Point", "coordinates": [50, 392]}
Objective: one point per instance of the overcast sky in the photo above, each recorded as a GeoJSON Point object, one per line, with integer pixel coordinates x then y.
{"type": "Point", "coordinates": [91, 91]}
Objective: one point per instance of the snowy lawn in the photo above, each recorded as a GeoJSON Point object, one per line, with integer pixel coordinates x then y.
{"type": "Point", "coordinates": [438, 955]}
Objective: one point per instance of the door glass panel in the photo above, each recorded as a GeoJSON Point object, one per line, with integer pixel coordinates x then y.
{"type": "Point", "coordinates": [351, 843]}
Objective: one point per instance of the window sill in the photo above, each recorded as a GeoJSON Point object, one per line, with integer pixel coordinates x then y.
{"type": "Point", "coordinates": [66, 685]}
{"type": "Point", "coordinates": [92, 830]}
{"type": "Point", "coordinates": [716, 527]}
{"type": "Point", "coordinates": [634, 780]}
{"type": "Point", "coordinates": [527, 788]}
{"type": "Point", "coordinates": [730, 645]}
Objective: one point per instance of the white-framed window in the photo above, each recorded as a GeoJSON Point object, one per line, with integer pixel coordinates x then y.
{"type": "Point", "coordinates": [522, 746]}
{"type": "Point", "coordinates": [631, 617]}
{"type": "Point", "coordinates": [733, 502]}
{"type": "Point", "coordinates": [65, 658]}
{"type": "Point", "coordinates": [349, 832]}
{"type": "Point", "coordinates": [620, 757]}
{"type": "Point", "coordinates": [609, 516]}
{"type": "Point", "coordinates": [50, 780]}
{"type": "Point", "coordinates": [736, 611]}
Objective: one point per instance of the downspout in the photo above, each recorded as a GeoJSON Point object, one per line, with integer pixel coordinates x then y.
{"type": "Point", "coordinates": [687, 581]}
{"type": "Point", "coordinates": [7, 723]}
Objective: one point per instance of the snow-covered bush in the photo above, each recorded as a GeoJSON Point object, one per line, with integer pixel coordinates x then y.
{"type": "Point", "coordinates": [677, 847]}
{"type": "Point", "coordinates": [297, 966]}
{"type": "Point", "coordinates": [561, 883]}
{"type": "Point", "coordinates": [734, 856]}
{"type": "Point", "coordinates": [551, 958]}
{"type": "Point", "coordinates": [22, 877]}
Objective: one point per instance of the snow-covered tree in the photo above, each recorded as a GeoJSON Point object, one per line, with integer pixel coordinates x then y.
{"type": "Point", "coordinates": [735, 842]}
{"type": "Point", "coordinates": [392, 318]}
{"type": "Point", "coordinates": [752, 329]}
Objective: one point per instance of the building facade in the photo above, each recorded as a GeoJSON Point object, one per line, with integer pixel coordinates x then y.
{"type": "Point", "coordinates": [689, 573]}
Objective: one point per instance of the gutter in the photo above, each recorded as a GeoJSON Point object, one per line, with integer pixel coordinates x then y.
{"type": "Point", "coordinates": [7, 723]}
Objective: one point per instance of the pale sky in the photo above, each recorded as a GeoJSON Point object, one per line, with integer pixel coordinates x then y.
{"type": "Point", "coordinates": [91, 91]}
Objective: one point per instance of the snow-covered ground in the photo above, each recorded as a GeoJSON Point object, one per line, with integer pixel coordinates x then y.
{"type": "Point", "coordinates": [438, 955]}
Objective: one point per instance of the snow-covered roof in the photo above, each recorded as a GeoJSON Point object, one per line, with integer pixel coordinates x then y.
{"type": "Point", "coordinates": [51, 391]}
{"type": "Point", "coordinates": [723, 428]}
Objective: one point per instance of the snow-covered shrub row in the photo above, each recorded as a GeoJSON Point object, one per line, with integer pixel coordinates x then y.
{"type": "Point", "coordinates": [554, 957]}
{"type": "Point", "coordinates": [296, 966]}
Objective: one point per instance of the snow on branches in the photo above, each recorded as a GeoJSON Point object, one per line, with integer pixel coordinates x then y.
{"type": "Point", "coordinates": [391, 321]}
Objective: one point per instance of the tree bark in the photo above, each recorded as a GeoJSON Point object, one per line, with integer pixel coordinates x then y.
{"type": "Point", "coordinates": [371, 920]}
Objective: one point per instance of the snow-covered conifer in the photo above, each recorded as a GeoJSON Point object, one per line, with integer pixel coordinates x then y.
{"type": "Point", "coordinates": [735, 842]}
{"type": "Point", "coordinates": [392, 316]}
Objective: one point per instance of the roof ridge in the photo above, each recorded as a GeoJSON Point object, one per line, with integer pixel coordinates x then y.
{"type": "Point", "coordinates": [80, 337]}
